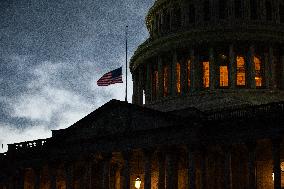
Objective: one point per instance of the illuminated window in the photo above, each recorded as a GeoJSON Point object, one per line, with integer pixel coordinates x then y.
{"type": "Point", "coordinates": [205, 74]}
{"type": "Point", "coordinates": [166, 80]}
{"type": "Point", "coordinates": [178, 77]}
{"type": "Point", "coordinates": [155, 83]}
{"type": "Point", "coordinates": [224, 80]}
{"type": "Point", "coordinates": [258, 77]}
{"type": "Point", "coordinates": [241, 71]}
{"type": "Point", "coordinates": [188, 73]}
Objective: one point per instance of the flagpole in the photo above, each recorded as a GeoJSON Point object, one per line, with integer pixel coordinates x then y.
{"type": "Point", "coordinates": [126, 63]}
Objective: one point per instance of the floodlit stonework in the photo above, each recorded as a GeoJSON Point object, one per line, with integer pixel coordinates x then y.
{"type": "Point", "coordinates": [207, 111]}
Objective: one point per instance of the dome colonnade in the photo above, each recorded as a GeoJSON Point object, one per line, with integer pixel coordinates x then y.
{"type": "Point", "coordinates": [241, 50]}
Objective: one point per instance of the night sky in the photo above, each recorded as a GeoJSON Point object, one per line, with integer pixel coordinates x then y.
{"type": "Point", "coordinates": [53, 52]}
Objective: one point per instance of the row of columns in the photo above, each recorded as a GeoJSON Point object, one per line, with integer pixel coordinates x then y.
{"type": "Point", "coordinates": [168, 170]}
{"type": "Point", "coordinates": [167, 16]}
{"type": "Point", "coordinates": [142, 84]}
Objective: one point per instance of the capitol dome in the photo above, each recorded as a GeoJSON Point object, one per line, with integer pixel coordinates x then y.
{"type": "Point", "coordinates": [210, 54]}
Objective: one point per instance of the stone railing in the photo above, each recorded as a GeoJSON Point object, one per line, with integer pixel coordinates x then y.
{"type": "Point", "coordinates": [26, 146]}
{"type": "Point", "coordinates": [249, 111]}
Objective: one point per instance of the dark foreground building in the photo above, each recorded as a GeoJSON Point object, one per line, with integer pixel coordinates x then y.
{"type": "Point", "coordinates": [212, 74]}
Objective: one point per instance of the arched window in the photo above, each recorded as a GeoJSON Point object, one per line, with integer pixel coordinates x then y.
{"type": "Point", "coordinates": [253, 9]}
{"type": "Point", "coordinates": [238, 9]}
{"type": "Point", "coordinates": [241, 71]}
{"type": "Point", "coordinates": [191, 14]}
{"type": "Point", "coordinates": [281, 11]}
{"type": "Point", "coordinates": [223, 13]}
{"type": "Point", "coordinates": [166, 80]}
{"type": "Point", "coordinates": [206, 10]}
{"type": "Point", "coordinates": [268, 8]}
{"type": "Point", "coordinates": [258, 75]}
{"type": "Point", "coordinates": [206, 73]}
{"type": "Point", "coordinates": [178, 75]}
{"type": "Point", "coordinates": [188, 73]}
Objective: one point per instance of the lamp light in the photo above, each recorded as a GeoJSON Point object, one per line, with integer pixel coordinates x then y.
{"type": "Point", "coordinates": [137, 182]}
{"type": "Point", "coordinates": [273, 176]}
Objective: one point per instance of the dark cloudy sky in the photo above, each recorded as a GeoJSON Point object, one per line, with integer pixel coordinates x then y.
{"type": "Point", "coordinates": [51, 54]}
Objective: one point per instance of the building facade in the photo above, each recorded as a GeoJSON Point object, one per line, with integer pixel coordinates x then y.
{"type": "Point", "coordinates": [207, 111]}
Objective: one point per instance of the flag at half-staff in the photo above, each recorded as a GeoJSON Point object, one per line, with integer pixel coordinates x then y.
{"type": "Point", "coordinates": [112, 77]}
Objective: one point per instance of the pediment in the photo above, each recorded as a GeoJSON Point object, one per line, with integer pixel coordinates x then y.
{"type": "Point", "coordinates": [116, 117]}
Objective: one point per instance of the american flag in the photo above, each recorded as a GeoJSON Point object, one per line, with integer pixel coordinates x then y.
{"type": "Point", "coordinates": [112, 77]}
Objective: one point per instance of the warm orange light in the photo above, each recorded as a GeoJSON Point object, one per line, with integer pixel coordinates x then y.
{"type": "Point", "coordinates": [224, 80]}
{"type": "Point", "coordinates": [258, 77]}
{"type": "Point", "coordinates": [166, 81]}
{"type": "Point", "coordinates": [178, 78]}
{"type": "Point", "coordinates": [206, 74]}
{"type": "Point", "coordinates": [188, 73]}
{"type": "Point", "coordinates": [137, 182]}
{"type": "Point", "coordinates": [241, 71]}
{"type": "Point", "coordinates": [155, 83]}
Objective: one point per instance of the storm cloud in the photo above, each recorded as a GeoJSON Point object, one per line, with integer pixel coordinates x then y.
{"type": "Point", "coordinates": [52, 53]}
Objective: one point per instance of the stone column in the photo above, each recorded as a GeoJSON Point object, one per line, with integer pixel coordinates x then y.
{"type": "Point", "coordinates": [276, 163]}
{"type": "Point", "coordinates": [212, 69]}
{"type": "Point", "coordinates": [171, 170]}
{"type": "Point", "coordinates": [183, 78]}
{"type": "Point", "coordinates": [160, 92]}
{"type": "Point", "coordinates": [267, 74]}
{"type": "Point", "coordinates": [161, 164]}
{"type": "Point", "coordinates": [269, 69]}
{"type": "Point", "coordinates": [228, 167]}
{"type": "Point", "coordinates": [147, 168]}
{"type": "Point", "coordinates": [276, 4]}
{"type": "Point", "coordinates": [53, 177]}
{"type": "Point", "coordinates": [140, 85]}
{"type": "Point", "coordinates": [37, 172]}
{"type": "Point", "coordinates": [135, 88]}
{"type": "Point", "coordinates": [69, 176]}
{"type": "Point", "coordinates": [251, 68]}
{"type": "Point", "coordinates": [282, 71]}
{"type": "Point", "coordinates": [148, 84]}
{"type": "Point", "coordinates": [20, 178]}
{"type": "Point", "coordinates": [272, 82]}
{"type": "Point", "coordinates": [232, 68]}
{"type": "Point", "coordinates": [173, 75]}
{"type": "Point", "coordinates": [126, 171]}
{"type": "Point", "coordinates": [193, 72]}
{"type": "Point", "coordinates": [191, 167]}
{"type": "Point", "coordinates": [251, 165]}
{"type": "Point", "coordinates": [106, 171]}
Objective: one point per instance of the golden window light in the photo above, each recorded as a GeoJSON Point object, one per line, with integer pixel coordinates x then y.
{"type": "Point", "coordinates": [166, 80]}
{"type": "Point", "coordinates": [258, 77]}
{"type": "Point", "coordinates": [206, 74]}
{"type": "Point", "coordinates": [188, 73]}
{"type": "Point", "coordinates": [224, 80]}
{"type": "Point", "coordinates": [241, 71]}
{"type": "Point", "coordinates": [178, 78]}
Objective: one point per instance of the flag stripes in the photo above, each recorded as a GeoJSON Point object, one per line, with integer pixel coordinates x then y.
{"type": "Point", "coordinates": [112, 77]}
